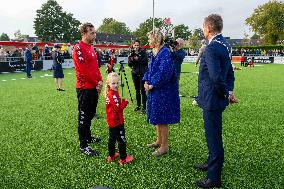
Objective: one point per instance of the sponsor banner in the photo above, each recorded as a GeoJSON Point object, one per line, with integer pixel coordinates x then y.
{"type": "Point", "coordinates": [236, 59]}
{"type": "Point", "coordinates": [19, 65]}
{"type": "Point", "coordinates": [68, 63]}
{"type": "Point", "coordinates": [260, 59]}
{"type": "Point", "coordinates": [279, 60]}
{"type": "Point", "coordinates": [191, 59]}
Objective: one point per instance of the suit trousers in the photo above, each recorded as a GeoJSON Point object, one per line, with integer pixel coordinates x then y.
{"type": "Point", "coordinates": [28, 68]}
{"type": "Point", "coordinates": [87, 104]}
{"type": "Point", "coordinates": [213, 134]}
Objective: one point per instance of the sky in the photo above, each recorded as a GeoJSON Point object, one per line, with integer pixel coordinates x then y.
{"type": "Point", "coordinates": [20, 14]}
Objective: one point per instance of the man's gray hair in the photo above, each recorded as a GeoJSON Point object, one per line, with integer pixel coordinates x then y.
{"type": "Point", "coordinates": [215, 22]}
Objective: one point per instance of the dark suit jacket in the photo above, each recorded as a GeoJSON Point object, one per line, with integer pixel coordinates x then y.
{"type": "Point", "coordinates": [28, 57]}
{"type": "Point", "coordinates": [216, 75]}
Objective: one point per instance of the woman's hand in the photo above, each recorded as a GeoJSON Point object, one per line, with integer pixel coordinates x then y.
{"type": "Point", "coordinates": [147, 86]}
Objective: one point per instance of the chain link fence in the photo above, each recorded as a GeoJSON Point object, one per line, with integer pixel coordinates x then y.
{"type": "Point", "coordinates": [188, 84]}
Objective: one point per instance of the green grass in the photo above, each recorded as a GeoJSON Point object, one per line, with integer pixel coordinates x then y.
{"type": "Point", "coordinates": [39, 142]}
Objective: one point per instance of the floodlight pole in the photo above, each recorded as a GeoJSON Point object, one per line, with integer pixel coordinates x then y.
{"type": "Point", "coordinates": [153, 15]}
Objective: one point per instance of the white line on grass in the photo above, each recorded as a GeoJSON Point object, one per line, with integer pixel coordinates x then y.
{"type": "Point", "coordinates": [4, 80]}
{"type": "Point", "coordinates": [13, 79]}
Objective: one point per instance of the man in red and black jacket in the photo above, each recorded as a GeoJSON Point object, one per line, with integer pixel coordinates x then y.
{"type": "Point", "coordinates": [88, 86]}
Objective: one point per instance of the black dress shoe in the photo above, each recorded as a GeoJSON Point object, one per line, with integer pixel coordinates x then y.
{"type": "Point", "coordinates": [208, 183]}
{"type": "Point", "coordinates": [201, 167]}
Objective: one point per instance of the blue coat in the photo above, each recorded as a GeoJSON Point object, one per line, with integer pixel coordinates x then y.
{"type": "Point", "coordinates": [28, 57]}
{"type": "Point", "coordinates": [216, 75]}
{"type": "Point", "coordinates": [163, 100]}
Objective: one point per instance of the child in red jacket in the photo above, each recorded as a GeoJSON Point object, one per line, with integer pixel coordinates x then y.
{"type": "Point", "coordinates": [110, 65]}
{"type": "Point", "coordinates": [115, 120]}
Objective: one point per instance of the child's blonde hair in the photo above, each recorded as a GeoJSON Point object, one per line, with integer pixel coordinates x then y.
{"type": "Point", "coordinates": [109, 77]}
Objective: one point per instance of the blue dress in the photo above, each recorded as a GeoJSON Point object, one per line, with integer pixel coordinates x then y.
{"type": "Point", "coordinates": [57, 65]}
{"type": "Point", "coordinates": [163, 99]}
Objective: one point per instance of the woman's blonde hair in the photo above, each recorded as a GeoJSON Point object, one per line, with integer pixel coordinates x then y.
{"type": "Point", "coordinates": [109, 77]}
{"type": "Point", "coordinates": [158, 37]}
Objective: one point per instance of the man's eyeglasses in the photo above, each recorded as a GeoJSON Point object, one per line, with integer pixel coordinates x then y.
{"type": "Point", "coordinates": [135, 45]}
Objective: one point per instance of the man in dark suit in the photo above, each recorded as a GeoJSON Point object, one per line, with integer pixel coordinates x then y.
{"type": "Point", "coordinates": [28, 58]}
{"type": "Point", "coordinates": [215, 91]}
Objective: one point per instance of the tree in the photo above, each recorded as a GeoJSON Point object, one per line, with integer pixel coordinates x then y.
{"type": "Point", "coordinates": [53, 24]}
{"type": "Point", "coordinates": [112, 26]}
{"type": "Point", "coordinates": [147, 26]}
{"type": "Point", "coordinates": [195, 37]}
{"type": "Point", "coordinates": [4, 37]}
{"type": "Point", "coordinates": [255, 36]}
{"type": "Point", "coordinates": [268, 21]}
{"type": "Point", "coordinates": [246, 40]}
{"type": "Point", "coordinates": [198, 33]}
{"type": "Point", "coordinates": [19, 36]}
{"type": "Point", "coordinates": [182, 31]}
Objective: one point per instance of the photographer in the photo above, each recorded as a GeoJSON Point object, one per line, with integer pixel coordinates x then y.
{"type": "Point", "coordinates": [138, 62]}
{"type": "Point", "coordinates": [178, 54]}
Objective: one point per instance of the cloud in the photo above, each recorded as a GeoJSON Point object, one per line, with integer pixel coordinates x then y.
{"type": "Point", "coordinates": [18, 14]}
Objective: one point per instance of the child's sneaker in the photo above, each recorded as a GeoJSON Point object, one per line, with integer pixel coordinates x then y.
{"type": "Point", "coordinates": [128, 159]}
{"type": "Point", "coordinates": [110, 159]}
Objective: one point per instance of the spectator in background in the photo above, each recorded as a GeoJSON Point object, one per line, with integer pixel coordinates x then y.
{"type": "Point", "coordinates": [243, 59]}
{"type": "Point", "coordinates": [110, 65]}
{"type": "Point", "coordinates": [64, 51]}
{"type": "Point", "coordinates": [46, 52]}
{"type": "Point", "coordinates": [99, 56]}
{"type": "Point", "coordinates": [201, 51]}
{"type": "Point", "coordinates": [70, 49]}
{"type": "Point", "coordinates": [2, 54]}
{"type": "Point", "coordinates": [57, 67]}
{"type": "Point", "coordinates": [138, 62]}
{"type": "Point", "coordinates": [28, 58]}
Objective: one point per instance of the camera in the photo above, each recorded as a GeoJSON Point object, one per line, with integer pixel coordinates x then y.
{"type": "Point", "coordinates": [170, 42]}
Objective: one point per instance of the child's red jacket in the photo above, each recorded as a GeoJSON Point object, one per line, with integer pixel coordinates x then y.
{"type": "Point", "coordinates": [114, 108]}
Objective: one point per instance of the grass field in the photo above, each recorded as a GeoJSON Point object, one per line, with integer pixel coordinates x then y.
{"type": "Point", "coordinates": [39, 144]}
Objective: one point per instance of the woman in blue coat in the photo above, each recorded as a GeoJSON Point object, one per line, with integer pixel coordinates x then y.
{"type": "Point", "coordinates": [163, 96]}
{"type": "Point", "coordinates": [57, 67]}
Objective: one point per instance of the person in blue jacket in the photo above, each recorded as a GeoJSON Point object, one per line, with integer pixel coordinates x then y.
{"type": "Point", "coordinates": [57, 67]}
{"type": "Point", "coordinates": [28, 58]}
{"type": "Point", "coordinates": [215, 91]}
{"type": "Point", "coordinates": [178, 55]}
{"type": "Point", "coordinates": [161, 83]}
